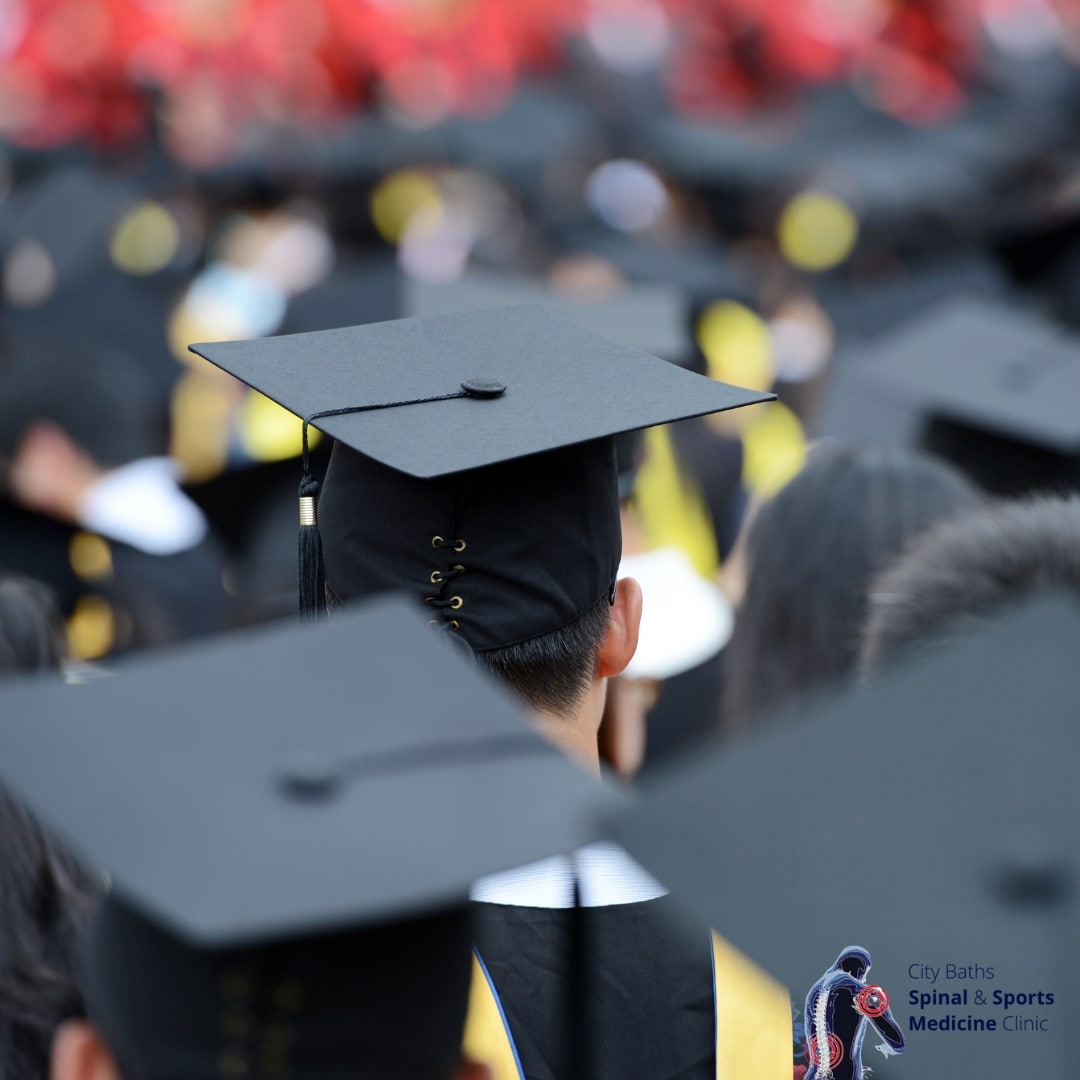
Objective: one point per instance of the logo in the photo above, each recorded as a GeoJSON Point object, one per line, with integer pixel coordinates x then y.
{"type": "Point", "coordinates": [839, 1007]}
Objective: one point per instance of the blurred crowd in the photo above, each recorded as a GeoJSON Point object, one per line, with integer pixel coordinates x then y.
{"type": "Point", "coordinates": [869, 210]}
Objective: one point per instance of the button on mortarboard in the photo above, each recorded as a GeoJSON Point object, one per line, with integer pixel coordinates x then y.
{"type": "Point", "coordinates": [483, 388]}
{"type": "Point", "coordinates": [929, 818]}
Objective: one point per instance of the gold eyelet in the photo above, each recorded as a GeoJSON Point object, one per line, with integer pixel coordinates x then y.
{"type": "Point", "coordinates": [437, 541]}
{"type": "Point", "coordinates": [430, 599]}
{"type": "Point", "coordinates": [456, 602]}
{"type": "Point", "coordinates": [458, 568]}
{"type": "Point", "coordinates": [459, 545]}
{"type": "Point", "coordinates": [454, 624]}
{"type": "Point", "coordinates": [436, 577]}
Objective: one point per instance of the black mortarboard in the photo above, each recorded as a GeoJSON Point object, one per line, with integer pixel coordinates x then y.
{"type": "Point", "coordinates": [864, 306]}
{"type": "Point", "coordinates": [539, 126]}
{"type": "Point", "coordinates": [702, 270]}
{"type": "Point", "coordinates": [359, 290]}
{"type": "Point", "coordinates": [929, 819]}
{"type": "Point", "coordinates": [651, 318]}
{"type": "Point", "coordinates": [257, 800]}
{"type": "Point", "coordinates": [71, 213]}
{"type": "Point", "coordinates": [913, 185]}
{"type": "Point", "coordinates": [993, 387]}
{"type": "Point", "coordinates": [102, 394]}
{"type": "Point", "coordinates": [474, 462]}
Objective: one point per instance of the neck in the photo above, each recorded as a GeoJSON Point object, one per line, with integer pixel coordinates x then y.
{"type": "Point", "coordinates": [575, 733]}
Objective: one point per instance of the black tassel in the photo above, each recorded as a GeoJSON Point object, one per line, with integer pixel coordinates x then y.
{"type": "Point", "coordinates": [312, 577]}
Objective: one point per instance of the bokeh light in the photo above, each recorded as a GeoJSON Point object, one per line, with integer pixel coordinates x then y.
{"type": "Point", "coordinates": [268, 432]}
{"type": "Point", "coordinates": [91, 628]}
{"type": "Point", "coordinates": [817, 231]}
{"type": "Point", "coordinates": [736, 345]}
{"type": "Point", "coordinates": [774, 448]}
{"type": "Point", "coordinates": [29, 275]}
{"type": "Point", "coordinates": [202, 405]}
{"type": "Point", "coordinates": [400, 197]}
{"type": "Point", "coordinates": [90, 556]}
{"type": "Point", "coordinates": [146, 240]}
{"type": "Point", "coordinates": [628, 195]}
{"type": "Point", "coordinates": [630, 36]}
{"type": "Point", "coordinates": [802, 337]}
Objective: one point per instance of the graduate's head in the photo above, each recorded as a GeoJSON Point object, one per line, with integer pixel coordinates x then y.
{"type": "Point", "coordinates": [475, 469]}
{"type": "Point", "coordinates": [968, 571]}
{"type": "Point", "coordinates": [519, 559]}
{"type": "Point", "coordinates": [385, 1002]}
{"type": "Point", "coordinates": [289, 885]}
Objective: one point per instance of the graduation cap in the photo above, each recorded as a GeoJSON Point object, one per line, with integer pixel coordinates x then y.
{"type": "Point", "coordinates": [701, 270]}
{"type": "Point", "coordinates": [651, 318]}
{"type": "Point", "coordinates": [474, 463]}
{"type": "Point", "coordinates": [991, 387]}
{"type": "Point", "coordinates": [928, 820]}
{"type": "Point", "coordinates": [299, 805]}
{"type": "Point", "coordinates": [518, 144]}
{"type": "Point", "coordinates": [912, 185]}
{"type": "Point", "coordinates": [359, 290]}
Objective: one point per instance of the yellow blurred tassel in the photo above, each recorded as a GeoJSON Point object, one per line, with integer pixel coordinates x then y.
{"type": "Point", "coordinates": [670, 505]}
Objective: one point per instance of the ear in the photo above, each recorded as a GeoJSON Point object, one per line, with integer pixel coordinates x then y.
{"type": "Point", "coordinates": [621, 636]}
{"type": "Point", "coordinates": [473, 1070]}
{"type": "Point", "coordinates": [80, 1053]}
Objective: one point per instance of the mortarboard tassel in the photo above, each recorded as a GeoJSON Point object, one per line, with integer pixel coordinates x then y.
{"type": "Point", "coordinates": [312, 577]}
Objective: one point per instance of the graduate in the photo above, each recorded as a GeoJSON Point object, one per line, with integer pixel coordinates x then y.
{"type": "Point", "coordinates": [474, 468]}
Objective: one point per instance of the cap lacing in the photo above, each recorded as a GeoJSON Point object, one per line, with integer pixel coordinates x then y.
{"type": "Point", "coordinates": [444, 578]}
{"type": "Point", "coordinates": [312, 577]}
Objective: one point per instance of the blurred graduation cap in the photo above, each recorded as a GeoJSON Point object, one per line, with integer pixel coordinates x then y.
{"type": "Point", "coordinates": [70, 213]}
{"type": "Point", "coordinates": [866, 306]}
{"type": "Point", "coordinates": [929, 819]}
{"type": "Point", "coordinates": [260, 803]}
{"type": "Point", "coordinates": [359, 290]}
{"type": "Point", "coordinates": [474, 463]}
{"type": "Point", "coordinates": [56, 237]}
{"type": "Point", "coordinates": [760, 151]}
{"type": "Point", "coordinates": [989, 386]}
{"type": "Point", "coordinates": [518, 144]}
{"type": "Point", "coordinates": [701, 271]}
{"type": "Point", "coordinates": [912, 186]}
{"type": "Point", "coordinates": [103, 396]}
{"type": "Point", "coordinates": [650, 318]}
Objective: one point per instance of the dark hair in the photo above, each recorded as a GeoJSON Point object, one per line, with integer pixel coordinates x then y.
{"type": "Point", "coordinates": [553, 671]}
{"type": "Point", "coordinates": [550, 672]}
{"type": "Point", "coordinates": [45, 894]}
{"type": "Point", "coordinates": [45, 899]}
{"type": "Point", "coordinates": [31, 629]}
{"type": "Point", "coordinates": [812, 552]}
{"type": "Point", "coordinates": [971, 569]}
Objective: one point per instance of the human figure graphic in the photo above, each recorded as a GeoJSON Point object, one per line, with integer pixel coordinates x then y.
{"type": "Point", "coordinates": [838, 1008]}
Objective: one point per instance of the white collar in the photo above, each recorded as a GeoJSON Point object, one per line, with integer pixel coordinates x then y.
{"type": "Point", "coordinates": [606, 876]}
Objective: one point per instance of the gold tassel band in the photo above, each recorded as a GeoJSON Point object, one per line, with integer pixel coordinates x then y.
{"type": "Point", "coordinates": [307, 510]}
